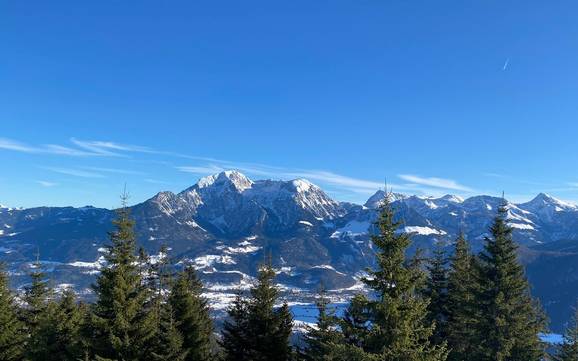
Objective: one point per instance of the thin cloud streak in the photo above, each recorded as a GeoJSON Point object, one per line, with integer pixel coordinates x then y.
{"type": "Point", "coordinates": [435, 182]}
{"type": "Point", "coordinates": [114, 170]}
{"type": "Point", "coordinates": [201, 170]}
{"type": "Point", "coordinates": [46, 183]}
{"type": "Point", "coordinates": [100, 148]}
{"type": "Point", "coordinates": [74, 172]}
{"type": "Point", "coordinates": [9, 144]}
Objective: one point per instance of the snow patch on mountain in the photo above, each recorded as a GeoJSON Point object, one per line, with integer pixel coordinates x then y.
{"type": "Point", "coordinates": [353, 228]}
{"type": "Point", "coordinates": [212, 259]}
{"type": "Point", "coordinates": [423, 231]}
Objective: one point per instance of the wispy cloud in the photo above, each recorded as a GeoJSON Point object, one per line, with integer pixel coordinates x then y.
{"type": "Point", "coordinates": [75, 172]}
{"type": "Point", "coordinates": [155, 181]}
{"type": "Point", "coordinates": [114, 170]}
{"type": "Point", "coordinates": [77, 148]}
{"type": "Point", "coordinates": [201, 170]}
{"type": "Point", "coordinates": [435, 182]}
{"type": "Point", "coordinates": [204, 166]}
{"type": "Point", "coordinates": [46, 183]}
{"type": "Point", "coordinates": [107, 148]}
{"type": "Point", "coordinates": [9, 144]}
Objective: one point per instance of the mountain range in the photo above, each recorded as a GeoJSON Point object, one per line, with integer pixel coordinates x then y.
{"type": "Point", "coordinates": [226, 224]}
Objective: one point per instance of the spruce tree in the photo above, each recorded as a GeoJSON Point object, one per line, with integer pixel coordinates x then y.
{"type": "Point", "coordinates": [38, 313]}
{"type": "Point", "coordinates": [437, 292]}
{"type": "Point", "coordinates": [236, 336]}
{"type": "Point", "coordinates": [509, 318]}
{"type": "Point", "coordinates": [397, 328]}
{"type": "Point", "coordinates": [256, 330]}
{"type": "Point", "coordinates": [121, 323]}
{"type": "Point", "coordinates": [568, 351]}
{"type": "Point", "coordinates": [37, 297]}
{"type": "Point", "coordinates": [12, 332]}
{"type": "Point", "coordinates": [460, 307]}
{"type": "Point", "coordinates": [58, 336]}
{"type": "Point", "coordinates": [191, 312]}
{"type": "Point", "coordinates": [168, 341]}
{"type": "Point", "coordinates": [324, 336]}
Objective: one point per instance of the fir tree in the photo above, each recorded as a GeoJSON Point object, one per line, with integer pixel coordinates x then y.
{"type": "Point", "coordinates": [191, 311]}
{"type": "Point", "coordinates": [509, 319]}
{"type": "Point", "coordinates": [356, 319]}
{"type": "Point", "coordinates": [121, 323]}
{"type": "Point", "coordinates": [437, 292]}
{"type": "Point", "coordinates": [255, 330]}
{"type": "Point", "coordinates": [236, 335]}
{"type": "Point", "coordinates": [39, 313]}
{"type": "Point", "coordinates": [168, 342]}
{"type": "Point", "coordinates": [568, 351]}
{"type": "Point", "coordinates": [397, 328]}
{"type": "Point", "coordinates": [58, 336]}
{"type": "Point", "coordinates": [322, 338]}
{"type": "Point", "coordinates": [460, 308]}
{"type": "Point", "coordinates": [37, 298]}
{"type": "Point", "coordinates": [12, 333]}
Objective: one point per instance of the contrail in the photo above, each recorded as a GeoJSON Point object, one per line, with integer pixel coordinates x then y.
{"type": "Point", "coordinates": [506, 64]}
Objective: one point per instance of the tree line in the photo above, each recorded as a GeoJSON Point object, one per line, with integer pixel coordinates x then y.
{"type": "Point", "coordinates": [475, 307]}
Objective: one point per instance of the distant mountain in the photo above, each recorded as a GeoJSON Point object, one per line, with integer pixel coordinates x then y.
{"type": "Point", "coordinates": [226, 224]}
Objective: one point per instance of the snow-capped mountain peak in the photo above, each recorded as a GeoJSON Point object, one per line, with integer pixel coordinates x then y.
{"type": "Point", "coordinates": [452, 198]}
{"type": "Point", "coordinates": [544, 201]}
{"type": "Point", "coordinates": [303, 185]}
{"type": "Point", "coordinates": [375, 200]}
{"type": "Point", "coordinates": [233, 177]}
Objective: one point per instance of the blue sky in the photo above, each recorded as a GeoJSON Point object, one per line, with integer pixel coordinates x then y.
{"type": "Point", "coordinates": [437, 96]}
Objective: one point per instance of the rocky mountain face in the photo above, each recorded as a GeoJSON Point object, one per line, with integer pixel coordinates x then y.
{"type": "Point", "coordinates": [227, 224]}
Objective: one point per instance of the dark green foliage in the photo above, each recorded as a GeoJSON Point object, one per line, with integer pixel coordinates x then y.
{"type": "Point", "coordinates": [37, 299]}
{"type": "Point", "coordinates": [168, 341]}
{"type": "Point", "coordinates": [568, 351]}
{"type": "Point", "coordinates": [191, 311]}
{"type": "Point", "coordinates": [255, 330]}
{"type": "Point", "coordinates": [58, 335]}
{"type": "Point", "coordinates": [509, 320]}
{"type": "Point", "coordinates": [324, 337]}
{"type": "Point", "coordinates": [12, 332]}
{"type": "Point", "coordinates": [236, 342]}
{"type": "Point", "coordinates": [437, 292]}
{"type": "Point", "coordinates": [122, 325]}
{"type": "Point", "coordinates": [461, 309]}
{"type": "Point", "coordinates": [356, 320]}
{"type": "Point", "coordinates": [397, 327]}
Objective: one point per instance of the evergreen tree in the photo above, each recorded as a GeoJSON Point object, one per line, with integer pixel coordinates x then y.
{"type": "Point", "coordinates": [397, 327]}
{"type": "Point", "coordinates": [322, 338]}
{"type": "Point", "coordinates": [37, 298]}
{"type": "Point", "coordinates": [121, 323]}
{"type": "Point", "coordinates": [236, 335]}
{"type": "Point", "coordinates": [461, 308]}
{"type": "Point", "coordinates": [191, 311]}
{"type": "Point", "coordinates": [255, 330]}
{"type": "Point", "coordinates": [568, 351]}
{"type": "Point", "coordinates": [356, 320]}
{"type": "Point", "coordinates": [38, 313]}
{"type": "Point", "coordinates": [12, 332]}
{"type": "Point", "coordinates": [58, 336]}
{"type": "Point", "coordinates": [168, 342]}
{"type": "Point", "coordinates": [509, 319]}
{"type": "Point", "coordinates": [437, 292]}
